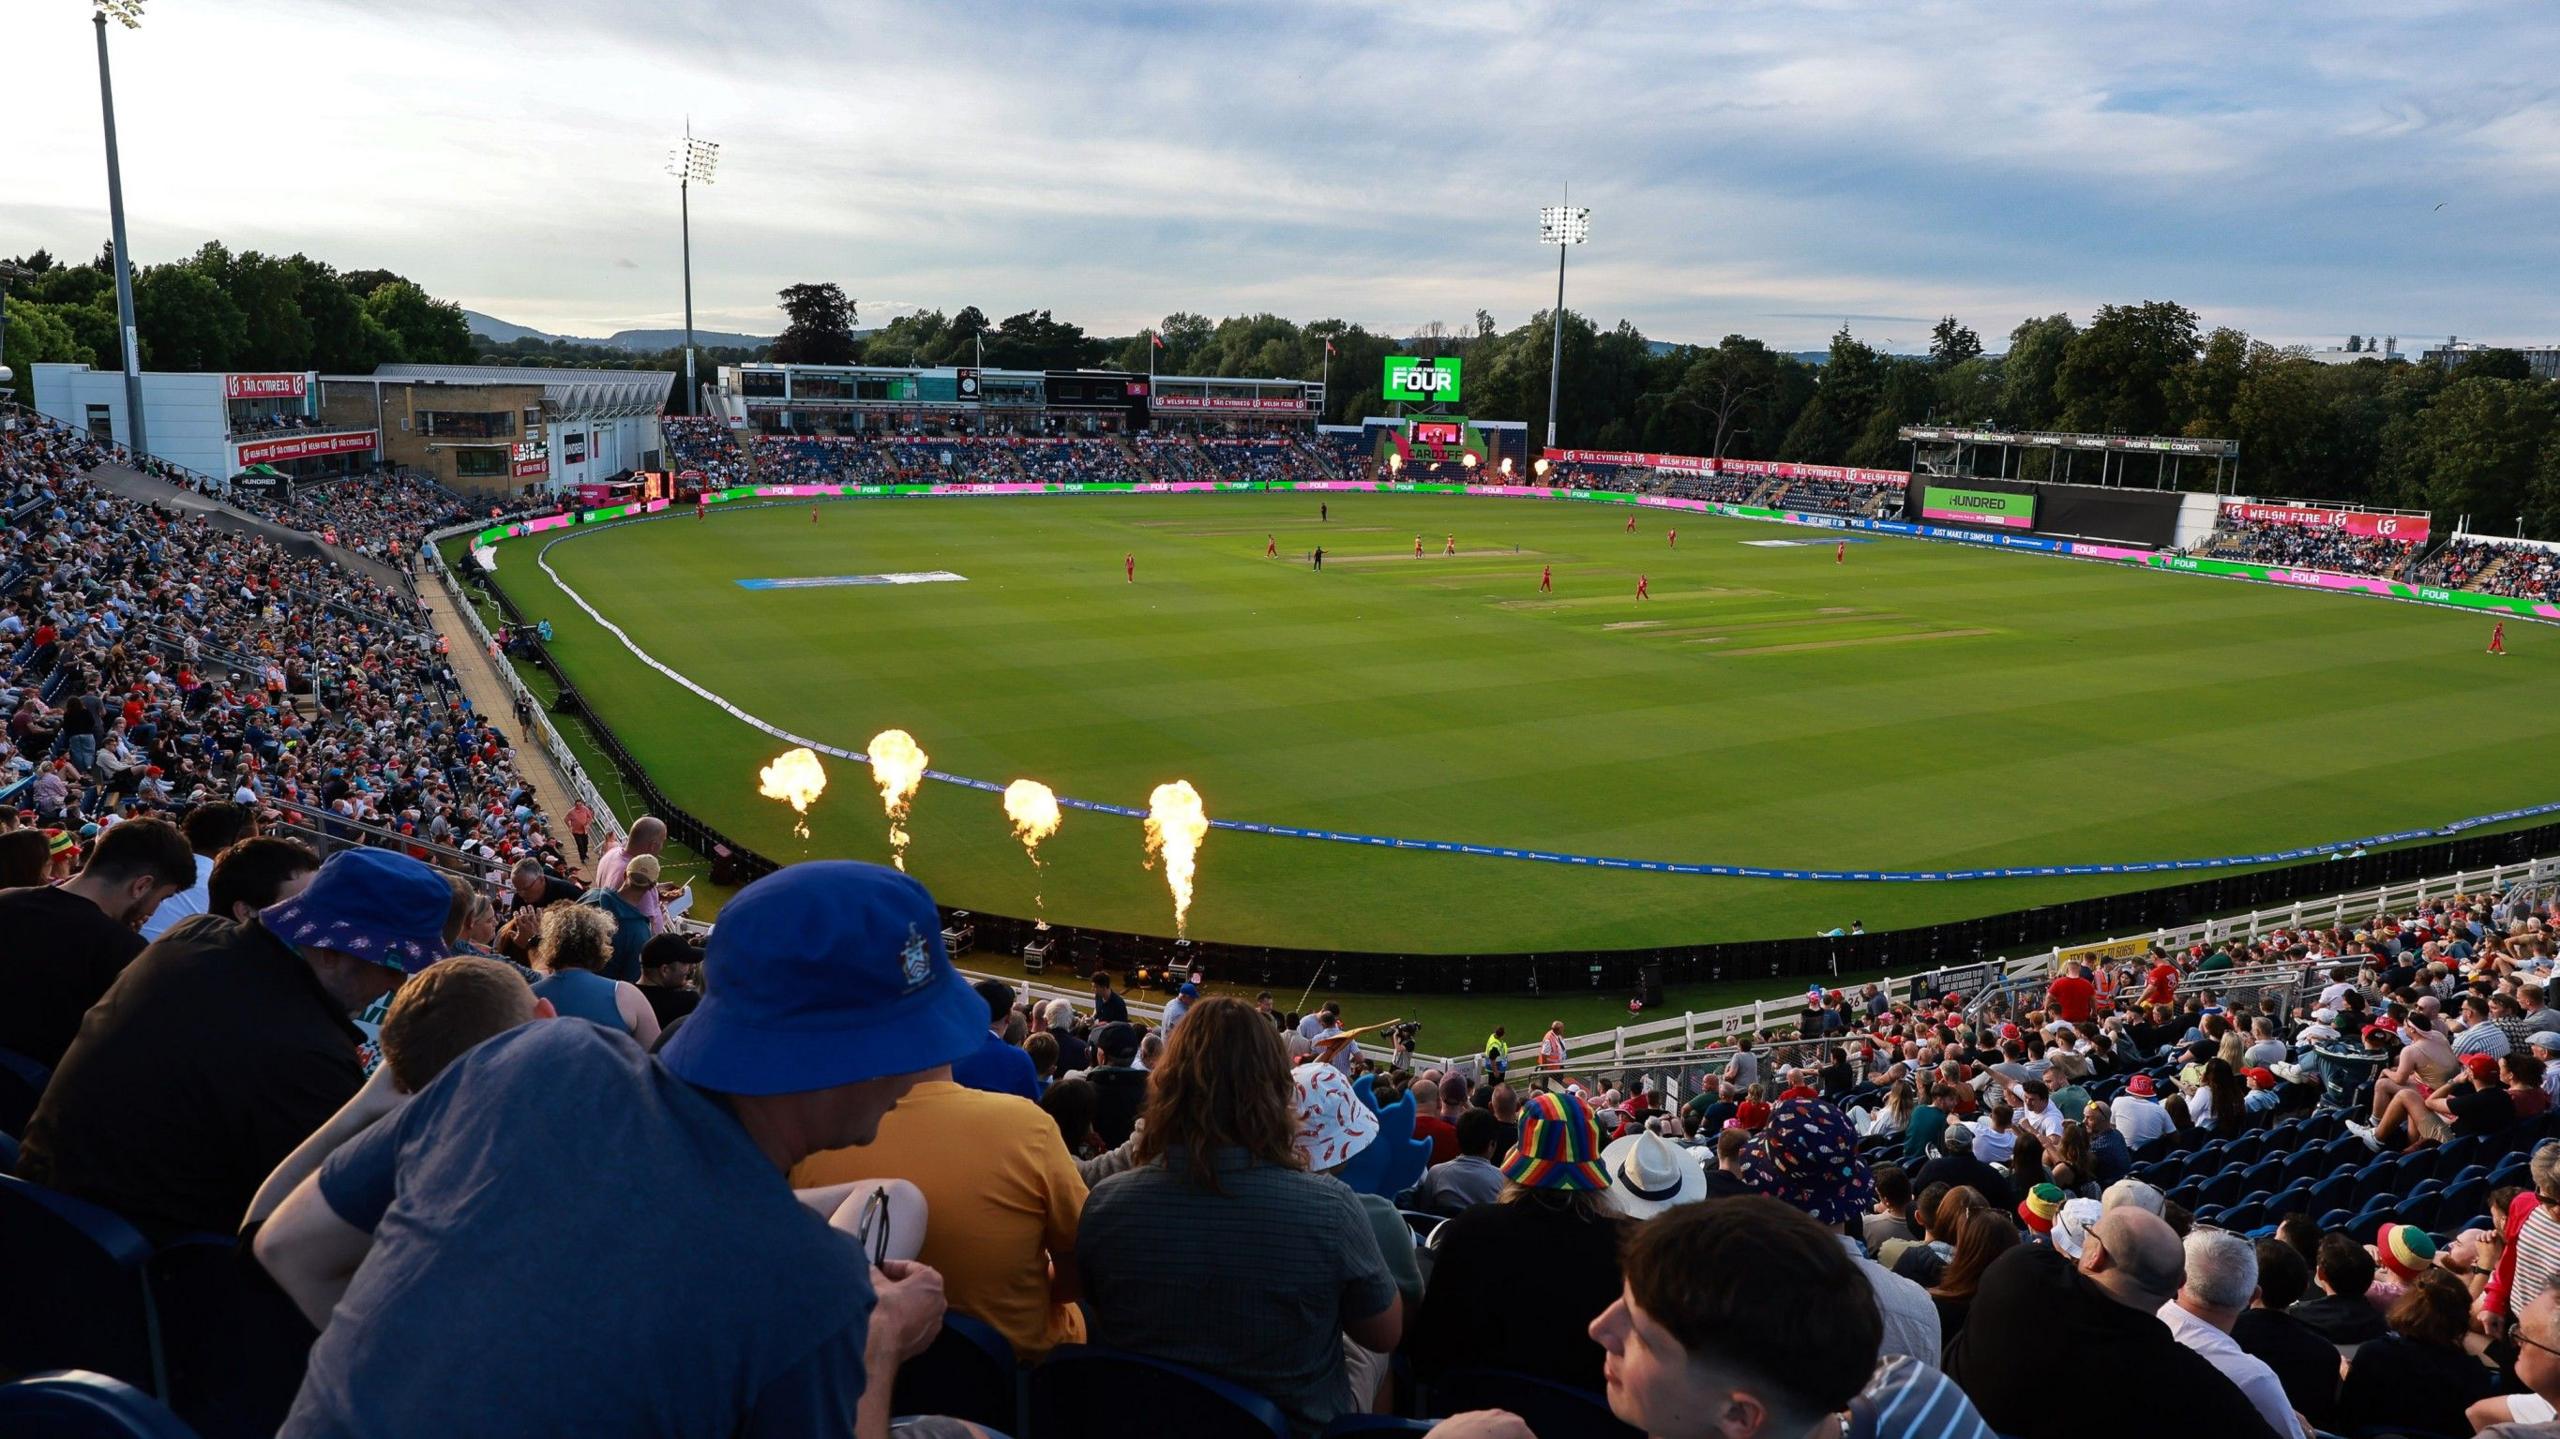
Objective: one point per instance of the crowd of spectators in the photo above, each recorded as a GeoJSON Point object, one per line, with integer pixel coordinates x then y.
{"type": "Point", "coordinates": [2312, 547]}
{"type": "Point", "coordinates": [1093, 459]}
{"type": "Point", "coordinates": [2492, 567]}
{"type": "Point", "coordinates": [706, 445]}
{"type": "Point", "coordinates": [269, 421]}
{"type": "Point", "coordinates": [386, 515]}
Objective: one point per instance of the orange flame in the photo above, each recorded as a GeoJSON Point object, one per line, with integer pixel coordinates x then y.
{"type": "Point", "coordinates": [1033, 808]}
{"type": "Point", "coordinates": [796, 778]}
{"type": "Point", "coordinates": [1175, 826]}
{"type": "Point", "coordinates": [897, 765]}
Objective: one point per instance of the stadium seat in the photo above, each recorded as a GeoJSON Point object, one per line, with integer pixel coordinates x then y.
{"type": "Point", "coordinates": [1087, 1392]}
{"type": "Point", "coordinates": [2460, 1199]}
{"type": "Point", "coordinates": [75, 1294]}
{"type": "Point", "coordinates": [2240, 1218]}
{"type": "Point", "coordinates": [2293, 1198]}
{"type": "Point", "coordinates": [2331, 1220]}
{"type": "Point", "coordinates": [1422, 1224]}
{"type": "Point", "coordinates": [22, 1082]}
{"type": "Point", "coordinates": [2265, 1173]}
{"type": "Point", "coordinates": [2223, 1188]}
{"type": "Point", "coordinates": [2337, 1191]}
{"type": "Point", "coordinates": [2453, 1154]}
{"type": "Point", "coordinates": [2248, 1148]}
{"type": "Point", "coordinates": [8, 1153]}
{"type": "Point", "coordinates": [968, 1372]}
{"type": "Point", "coordinates": [77, 1404]}
{"type": "Point", "coordinates": [1551, 1410]}
{"type": "Point", "coordinates": [1350, 1425]}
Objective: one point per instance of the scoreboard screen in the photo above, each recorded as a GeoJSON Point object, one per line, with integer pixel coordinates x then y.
{"type": "Point", "coordinates": [1436, 432]}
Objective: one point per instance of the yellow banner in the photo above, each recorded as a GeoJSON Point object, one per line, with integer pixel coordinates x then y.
{"type": "Point", "coordinates": [2102, 953]}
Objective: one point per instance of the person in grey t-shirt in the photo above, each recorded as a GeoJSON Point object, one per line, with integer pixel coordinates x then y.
{"type": "Point", "coordinates": [1471, 1178]}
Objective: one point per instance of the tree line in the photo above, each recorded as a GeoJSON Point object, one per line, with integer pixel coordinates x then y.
{"type": "Point", "coordinates": [2481, 438]}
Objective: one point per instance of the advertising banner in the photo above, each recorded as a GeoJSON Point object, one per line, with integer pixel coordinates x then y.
{"type": "Point", "coordinates": [1416, 380]}
{"type": "Point", "coordinates": [526, 469]}
{"type": "Point", "coordinates": [262, 387]}
{"type": "Point", "coordinates": [306, 447]}
{"type": "Point", "coordinates": [1685, 464]}
{"type": "Point", "coordinates": [1286, 404]}
{"type": "Point", "coordinates": [2006, 508]}
{"type": "Point", "coordinates": [2354, 522]}
{"type": "Point", "coordinates": [2114, 949]}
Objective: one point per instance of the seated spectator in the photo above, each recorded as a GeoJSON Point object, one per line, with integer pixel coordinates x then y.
{"type": "Point", "coordinates": [2304, 1363]}
{"type": "Point", "coordinates": [2138, 1115]}
{"type": "Point", "coordinates": [255, 874]}
{"type": "Point", "coordinates": [69, 942]}
{"type": "Point", "coordinates": [1004, 1199]}
{"type": "Point", "coordinates": [1808, 1157]}
{"type": "Point", "coordinates": [670, 977]}
{"type": "Point", "coordinates": [1725, 1180]}
{"type": "Point", "coordinates": [2035, 1304]}
{"type": "Point", "coordinates": [2418, 1376]}
{"type": "Point", "coordinates": [2531, 1255]}
{"type": "Point", "coordinates": [2527, 1416]}
{"type": "Point", "coordinates": [1960, 1166]}
{"type": "Point", "coordinates": [626, 905]}
{"type": "Point", "coordinates": [1217, 1250]}
{"type": "Point", "coordinates": [2221, 1280]}
{"type": "Point", "coordinates": [220, 1050]}
{"type": "Point", "coordinates": [1649, 1174]}
{"type": "Point", "coordinates": [1333, 1128]}
{"type": "Point", "coordinates": [2340, 1313]}
{"type": "Point", "coordinates": [577, 943]}
{"type": "Point", "coordinates": [1981, 1236]}
{"type": "Point", "coordinates": [210, 829]}
{"type": "Point", "coordinates": [999, 1066]}
{"type": "Point", "coordinates": [833, 994]}
{"type": "Point", "coordinates": [1119, 1086]}
{"type": "Point", "coordinates": [437, 1017]}
{"type": "Point", "coordinates": [1482, 1307]}
{"type": "Point", "coordinates": [1471, 1178]}
{"type": "Point", "coordinates": [1891, 1218]}
{"type": "Point", "coordinates": [1738, 1320]}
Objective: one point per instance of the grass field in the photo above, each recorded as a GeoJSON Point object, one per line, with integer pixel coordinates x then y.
{"type": "Point", "coordinates": [1922, 706]}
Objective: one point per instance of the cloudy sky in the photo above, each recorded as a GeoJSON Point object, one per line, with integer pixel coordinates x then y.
{"type": "Point", "coordinates": [2302, 170]}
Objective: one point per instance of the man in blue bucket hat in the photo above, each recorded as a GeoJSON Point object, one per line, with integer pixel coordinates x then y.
{"type": "Point", "coordinates": [562, 1234]}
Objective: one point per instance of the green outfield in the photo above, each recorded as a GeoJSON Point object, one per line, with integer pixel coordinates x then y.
{"type": "Point", "coordinates": [1920, 706]}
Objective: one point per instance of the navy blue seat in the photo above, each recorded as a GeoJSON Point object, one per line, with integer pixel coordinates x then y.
{"type": "Point", "coordinates": [2223, 1188]}
{"type": "Point", "coordinates": [1422, 1224]}
{"type": "Point", "coordinates": [1088, 1392]}
{"type": "Point", "coordinates": [1551, 1410]}
{"type": "Point", "coordinates": [76, 1295]}
{"type": "Point", "coordinates": [2240, 1218]}
{"type": "Point", "coordinates": [2265, 1173]}
{"type": "Point", "coordinates": [2248, 1147]}
{"type": "Point", "coordinates": [2337, 1191]}
{"type": "Point", "coordinates": [2454, 1153]}
{"type": "Point", "coordinates": [968, 1372]}
{"type": "Point", "coordinates": [8, 1154]}
{"type": "Point", "coordinates": [1351, 1425]}
{"type": "Point", "coordinates": [2294, 1197]}
{"type": "Point", "coordinates": [2380, 1175]}
{"type": "Point", "coordinates": [2332, 1219]}
{"type": "Point", "coordinates": [2461, 1199]}
{"type": "Point", "coordinates": [76, 1404]}
{"type": "Point", "coordinates": [22, 1082]}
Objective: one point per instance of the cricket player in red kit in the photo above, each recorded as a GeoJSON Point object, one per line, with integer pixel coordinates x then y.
{"type": "Point", "coordinates": [1129, 564]}
{"type": "Point", "coordinates": [1547, 580]}
{"type": "Point", "coordinates": [701, 505]}
{"type": "Point", "coordinates": [1644, 588]}
{"type": "Point", "coordinates": [1449, 546]}
{"type": "Point", "coordinates": [813, 514]}
{"type": "Point", "coordinates": [2498, 639]}
{"type": "Point", "coordinates": [1631, 524]}
{"type": "Point", "coordinates": [1840, 554]}
{"type": "Point", "coordinates": [1417, 547]}
{"type": "Point", "coordinates": [1673, 536]}
{"type": "Point", "coordinates": [1270, 548]}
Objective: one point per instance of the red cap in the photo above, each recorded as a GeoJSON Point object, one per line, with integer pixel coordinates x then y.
{"type": "Point", "coordinates": [2481, 1066]}
{"type": "Point", "coordinates": [2262, 1077]}
{"type": "Point", "coordinates": [2140, 1084]}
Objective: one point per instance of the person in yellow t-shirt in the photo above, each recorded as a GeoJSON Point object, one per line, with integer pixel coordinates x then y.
{"type": "Point", "coordinates": [1002, 1197]}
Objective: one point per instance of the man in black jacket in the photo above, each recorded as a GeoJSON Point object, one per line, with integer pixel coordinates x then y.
{"type": "Point", "coordinates": [2340, 1313]}
{"type": "Point", "coordinates": [1956, 1165]}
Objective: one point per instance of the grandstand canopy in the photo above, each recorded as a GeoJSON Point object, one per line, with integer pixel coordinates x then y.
{"type": "Point", "coordinates": [567, 394]}
{"type": "Point", "coordinates": [1979, 452]}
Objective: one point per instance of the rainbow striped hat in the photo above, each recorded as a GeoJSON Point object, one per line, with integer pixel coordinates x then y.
{"type": "Point", "coordinates": [2405, 1250]}
{"type": "Point", "coordinates": [2040, 1206]}
{"type": "Point", "coordinates": [1559, 1146]}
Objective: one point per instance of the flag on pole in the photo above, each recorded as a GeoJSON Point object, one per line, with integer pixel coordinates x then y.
{"type": "Point", "coordinates": [1156, 338]}
{"type": "Point", "coordinates": [1328, 347]}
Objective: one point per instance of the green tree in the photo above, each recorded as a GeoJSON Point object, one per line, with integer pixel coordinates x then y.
{"type": "Point", "coordinates": [1850, 388]}
{"type": "Point", "coordinates": [1952, 343]}
{"type": "Point", "coordinates": [2118, 376]}
{"type": "Point", "coordinates": [920, 337]}
{"type": "Point", "coordinates": [819, 328]}
{"type": "Point", "coordinates": [2493, 365]}
{"type": "Point", "coordinates": [1969, 392]}
{"type": "Point", "coordinates": [2207, 388]}
{"type": "Point", "coordinates": [1729, 389]}
{"type": "Point", "coordinates": [2476, 451]}
{"type": "Point", "coordinates": [276, 332]}
{"type": "Point", "coordinates": [1038, 340]}
{"type": "Point", "coordinates": [344, 339]}
{"type": "Point", "coordinates": [429, 331]}
{"type": "Point", "coordinates": [35, 333]}
{"type": "Point", "coordinates": [2029, 371]}
{"type": "Point", "coordinates": [186, 320]}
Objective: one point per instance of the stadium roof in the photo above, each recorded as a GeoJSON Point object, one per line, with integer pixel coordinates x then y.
{"type": "Point", "coordinates": [570, 393]}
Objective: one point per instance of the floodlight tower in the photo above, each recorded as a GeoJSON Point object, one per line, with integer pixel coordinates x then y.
{"type": "Point", "coordinates": [1564, 227]}
{"type": "Point", "coordinates": [691, 161]}
{"type": "Point", "coordinates": [127, 13]}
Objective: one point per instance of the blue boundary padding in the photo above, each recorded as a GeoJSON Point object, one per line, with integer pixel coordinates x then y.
{"type": "Point", "coordinates": [1650, 866]}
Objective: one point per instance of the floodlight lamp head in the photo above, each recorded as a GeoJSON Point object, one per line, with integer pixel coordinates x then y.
{"type": "Point", "coordinates": [1564, 225]}
{"type": "Point", "coordinates": [127, 13]}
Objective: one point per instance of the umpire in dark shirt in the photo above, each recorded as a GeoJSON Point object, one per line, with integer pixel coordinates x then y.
{"type": "Point", "coordinates": [222, 1048]}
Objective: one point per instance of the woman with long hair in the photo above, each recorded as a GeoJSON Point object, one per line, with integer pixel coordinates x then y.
{"type": "Point", "coordinates": [1926, 1262]}
{"type": "Point", "coordinates": [1218, 1249]}
{"type": "Point", "coordinates": [2419, 1376]}
{"type": "Point", "coordinates": [1982, 1235]}
{"type": "Point", "coordinates": [2220, 1103]}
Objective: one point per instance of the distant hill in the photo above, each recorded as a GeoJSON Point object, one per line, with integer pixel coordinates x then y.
{"type": "Point", "coordinates": [497, 331]}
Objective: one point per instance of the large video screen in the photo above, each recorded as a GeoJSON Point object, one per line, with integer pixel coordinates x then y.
{"type": "Point", "coordinates": [2009, 509]}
